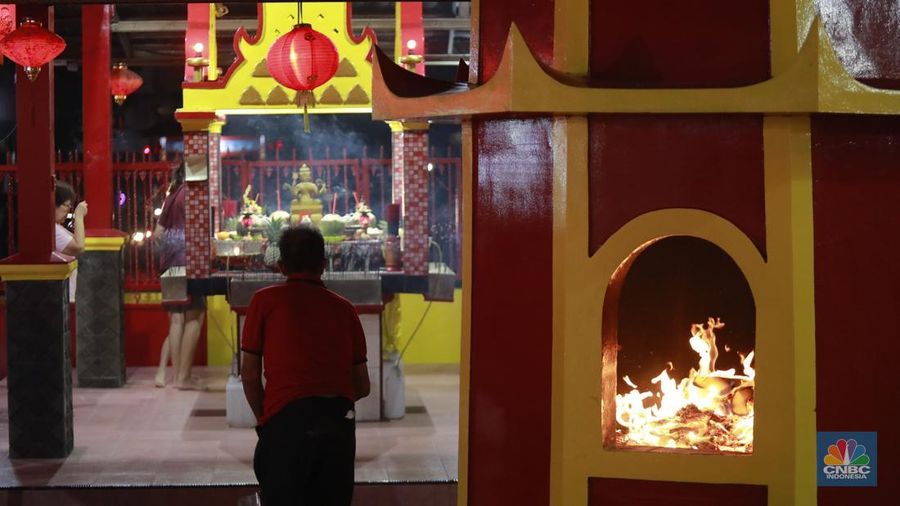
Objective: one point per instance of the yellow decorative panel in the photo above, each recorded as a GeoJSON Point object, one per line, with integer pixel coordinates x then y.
{"type": "Point", "coordinates": [247, 81]}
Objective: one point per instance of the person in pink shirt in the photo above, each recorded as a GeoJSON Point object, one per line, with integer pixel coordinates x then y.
{"type": "Point", "coordinates": [69, 243]}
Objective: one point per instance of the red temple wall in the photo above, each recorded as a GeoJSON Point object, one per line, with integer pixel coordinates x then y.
{"type": "Point", "coordinates": [534, 19]}
{"type": "Point", "coordinates": [856, 213]}
{"type": "Point", "coordinates": [702, 43]}
{"type": "Point", "coordinates": [511, 314]}
{"type": "Point", "coordinates": [643, 163]}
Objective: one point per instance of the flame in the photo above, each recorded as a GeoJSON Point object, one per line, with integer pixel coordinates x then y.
{"type": "Point", "coordinates": [710, 410]}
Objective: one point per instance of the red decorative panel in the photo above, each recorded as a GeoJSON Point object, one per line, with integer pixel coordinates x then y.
{"type": "Point", "coordinates": [621, 492]}
{"type": "Point", "coordinates": [534, 19]}
{"type": "Point", "coordinates": [196, 213]}
{"type": "Point", "coordinates": [215, 178]}
{"type": "Point", "coordinates": [197, 231]}
{"type": "Point", "coordinates": [410, 189]}
{"type": "Point", "coordinates": [644, 163]}
{"type": "Point", "coordinates": [512, 314]}
{"type": "Point", "coordinates": [415, 202]}
{"type": "Point", "coordinates": [856, 184]}
{"type": "Point", "coordinates": [700, 43]}
{"type": "Point", "coordinates": [397, 168]}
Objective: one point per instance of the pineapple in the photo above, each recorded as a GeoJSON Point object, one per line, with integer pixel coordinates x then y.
{"type": "Point", "coordinates": [273, 231]}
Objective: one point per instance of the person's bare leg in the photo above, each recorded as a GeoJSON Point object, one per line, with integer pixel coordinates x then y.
{"type": "Point", "coordinates": [193, 321]}
{"type": "Point", "coordinates": [163, 362]}
{"type": "Point", "coordinates": [176, 336]}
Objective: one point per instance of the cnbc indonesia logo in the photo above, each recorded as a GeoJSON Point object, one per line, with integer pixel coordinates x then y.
{"type": "Point", "coordinates": [846, 460]}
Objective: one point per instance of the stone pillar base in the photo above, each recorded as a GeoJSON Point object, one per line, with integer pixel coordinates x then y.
{"type": "Point", "coordinates": [100, 320]}
{"type": "Point", "coordinates": [40, 377]}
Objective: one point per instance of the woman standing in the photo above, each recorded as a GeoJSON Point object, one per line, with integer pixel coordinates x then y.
{"type": "Point", "coordinates": [185, 319]}
{"type": "Point", "coordinates": [69, 243]}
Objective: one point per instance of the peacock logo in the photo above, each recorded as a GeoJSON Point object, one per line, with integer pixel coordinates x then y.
{"type": "Point", "coordinates": [846, 452]}
{"type": "Point", "coordinates": [847, 459]}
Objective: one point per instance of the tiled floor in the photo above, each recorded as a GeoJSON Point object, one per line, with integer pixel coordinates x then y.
{"type": "Point", "coordinates": [141, 435]}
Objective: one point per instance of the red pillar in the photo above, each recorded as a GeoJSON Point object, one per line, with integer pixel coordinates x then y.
{"type": "Point", "coordinates": [98, 178]}
{"type": "Point", "coordinates": [35, 148]}
{"type": "Point", "coordinates": [410, 26]}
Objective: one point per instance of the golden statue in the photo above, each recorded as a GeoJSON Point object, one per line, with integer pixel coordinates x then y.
{"type": "Point", "coordinates": [307, 195]}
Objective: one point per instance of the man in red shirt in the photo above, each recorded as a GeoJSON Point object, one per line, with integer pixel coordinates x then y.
{"type": "Point", "coordinates": [314, 351]}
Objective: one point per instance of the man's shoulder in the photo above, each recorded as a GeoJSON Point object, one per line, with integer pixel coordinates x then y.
{"type": "Point", "coordinates": [337, 299]}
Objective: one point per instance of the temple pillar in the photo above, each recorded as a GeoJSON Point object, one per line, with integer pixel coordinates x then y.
{"type": "Point", "coordinates": [410, 189]}
{"type": "Point", "coordinates": [202, 164]}
{"type": "Point", "coordinates": [40, 378]}
{"type": "Point", "coordinates": [100, 303]}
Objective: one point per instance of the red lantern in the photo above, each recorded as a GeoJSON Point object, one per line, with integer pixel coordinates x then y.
{"type": "Point", "coordinates": [303, 59]}
{"type": "Point", "coordinates": [31, 46]}
{"type": "Point", "coordinates": [123, 82]}
{"type": "Point", "coordinates": [7, 21]}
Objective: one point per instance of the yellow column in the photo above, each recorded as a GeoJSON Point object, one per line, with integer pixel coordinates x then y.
{"type": "Point", "coordinates": [789, 231]}
{"type": "Point", "coordinates": [570, 219]}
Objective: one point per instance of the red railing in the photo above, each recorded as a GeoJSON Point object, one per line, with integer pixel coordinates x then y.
{"type": "Point", "coordinates": [139, 184]}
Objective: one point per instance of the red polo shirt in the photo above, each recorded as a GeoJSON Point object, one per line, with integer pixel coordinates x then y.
{"type": "Point", "coordinates": [309, 338]}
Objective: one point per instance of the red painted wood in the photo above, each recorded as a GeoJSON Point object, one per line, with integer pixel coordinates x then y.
{"type": "Point", "coordinates": [98, 180]}
{"type": "Point", "coordinates": [534, 19]}
{"type": "Point", "coordinates": [511, 333]}
{"type": "Point", "coordinates": [643, 163]}
{"type": "Point", "coordinates": [35, 148]}
{"type": "Point", "coordinates": [197, 31]}
{"type": "Point", "coordinates": [856, 183]}
{"type": "Point", "coordinates": [699, 43]}
{"type": "Point", "coordinates": [3, 369]}
{"type": "Point", "coordinates": [864, 35]}
{"type": "Point", "coordinates": [622, 492]}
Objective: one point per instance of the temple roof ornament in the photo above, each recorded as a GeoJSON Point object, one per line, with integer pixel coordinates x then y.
{"type": "Point", "coordinates": [247, 81]}
{"type": "Point", "coordinates": [816, 82]}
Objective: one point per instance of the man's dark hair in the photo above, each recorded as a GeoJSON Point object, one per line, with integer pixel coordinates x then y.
{"type": "Point", "coordinates": [64, 192]}
{"type": "Point", "coordinates": [302, 249]}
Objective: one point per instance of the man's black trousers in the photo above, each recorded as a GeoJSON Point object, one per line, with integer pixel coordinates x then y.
{"type": "Point", "coordinates": [305, 454]}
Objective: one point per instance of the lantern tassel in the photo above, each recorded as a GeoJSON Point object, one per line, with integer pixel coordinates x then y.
{"type": "Point", "coordinates": [306, 99]}
{"type": "Point", "coordinates": [306, 129]}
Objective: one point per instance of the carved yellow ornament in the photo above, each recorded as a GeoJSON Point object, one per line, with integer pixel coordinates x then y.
{"type": "Point", "coordinates": [247, 87]}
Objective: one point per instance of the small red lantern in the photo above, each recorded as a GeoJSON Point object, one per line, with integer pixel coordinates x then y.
{"type": "Point", "coordinates": [123, 82]}
{"type": "Point", "coordinates": [303, 59]}
{"type": "Point", "coordinates": [31, 46]}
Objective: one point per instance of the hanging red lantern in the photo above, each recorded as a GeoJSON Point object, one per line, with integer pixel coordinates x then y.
{"type": "Point", "coordinates": [31, 46]}
{"type": "Point", "coordinates": [123, 82]}
{"type": "Point", "coordinates": [7, 21]}
{"type": "Point", "coordinates": [303, 59]}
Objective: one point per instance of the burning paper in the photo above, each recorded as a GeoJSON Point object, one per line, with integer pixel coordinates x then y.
{"type": "Point", "coordinates": [710, 410]}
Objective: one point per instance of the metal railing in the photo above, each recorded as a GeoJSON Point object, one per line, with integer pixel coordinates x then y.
{"type": "Point", "coordinates": [140, 181]}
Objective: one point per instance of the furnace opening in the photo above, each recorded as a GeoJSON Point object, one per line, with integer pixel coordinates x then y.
{"type": "Point", "coordinates": [679, 328]}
